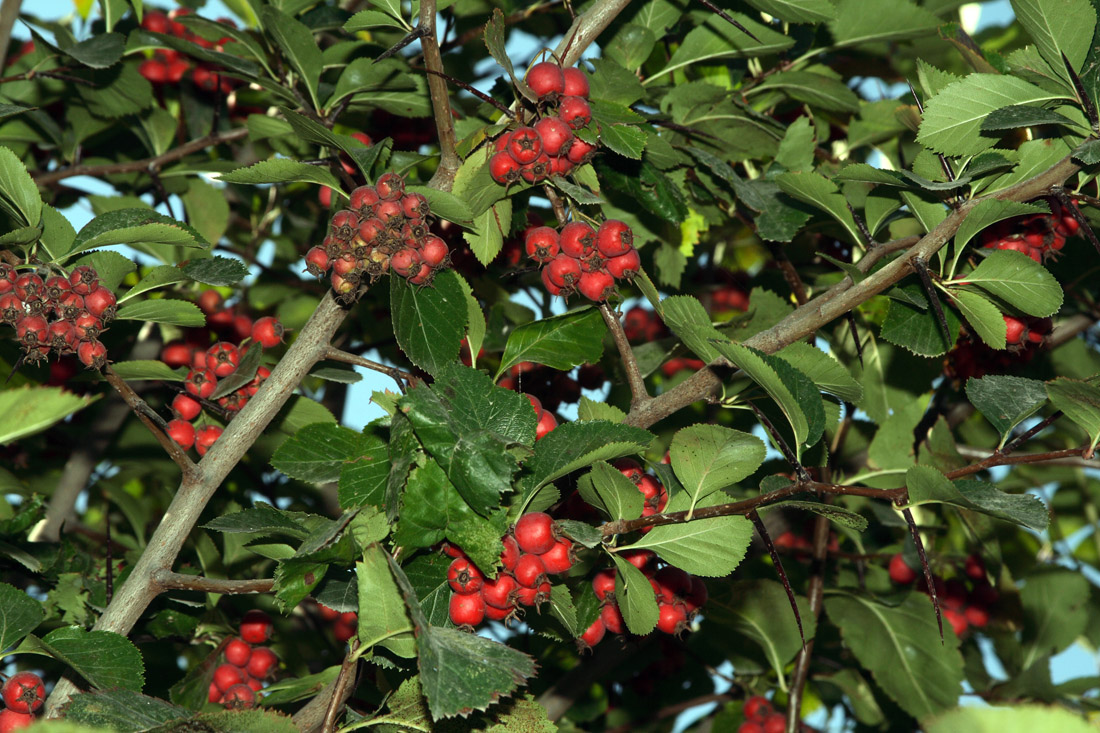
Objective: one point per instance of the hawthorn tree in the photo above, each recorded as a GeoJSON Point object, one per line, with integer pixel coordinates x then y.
{"type": "Point", "coordinates": [712, 380]}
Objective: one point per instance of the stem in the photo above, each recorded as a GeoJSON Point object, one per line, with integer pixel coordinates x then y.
{"type": "Point", "coordinates": [348, 358]}
{"type": "Point", "coordinates": [630, 364]}
{"type": "Point", "coordinates": [449, 162]}
{"type": "Point", "coordinates": [342, 689]}
{"type": "Point", "coordinates": [817, 589]}
{"type": "Point", "coordinates": [168, 580]}
{"type": "Point", "coordinates": [141, 409]}
{"type": "Point", "coordinates": [586, 27]}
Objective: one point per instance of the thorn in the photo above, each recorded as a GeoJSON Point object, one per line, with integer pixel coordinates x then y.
{"type": "Point", "coordinates": [862, 226]}
{"type": "Point", "coordinates": [930, 290]}
{"type": "Point", "coordinates": [947, 170]}
{"type": "Point", "coordinates": [855, 336]}
{"type": "Point", "coordinates": [908, 514]}
{"type": "Point", "coordinates": [411, 36]}
{"type": "Point", "coordinates": [800, 470]}
{"type": "Point", "coordinates": [1071, 206]}
{"type": "Point", "coordinates": [763, 532]}
{"type": "Point", "coordinates": [476, 92]}
{"type": "Point", "coordinates": [726, 17]}
{"type": "Point", "coordinates": [1082, 96]}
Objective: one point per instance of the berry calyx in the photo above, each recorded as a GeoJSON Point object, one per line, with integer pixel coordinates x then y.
{"type": "Point", "coordinates": [464, 577]}
{"type": "Point", "coordinates": [542, 244]}
{"type": "Point", "coordinates": [201, 383]}
{"type": "Point", "coordinates": [24, 692]}
{"type": "Point", "coordinates": [524, 145]}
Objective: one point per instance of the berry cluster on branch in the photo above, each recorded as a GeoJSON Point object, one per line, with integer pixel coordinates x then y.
{"type": "Point", "coordinates": [238, 681]}
{"type": "Point", "coordinates": [581, 259]}
{"type": "Point", "coordinates": [168, 66]}
{"type": "Point", "coordinates": [967, 599]}
{"type": "Point", "coordinates": [1039, 236]}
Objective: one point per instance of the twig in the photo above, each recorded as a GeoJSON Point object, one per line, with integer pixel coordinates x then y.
{"type": "Point", "coordinates": [816, 593]}
{"type": "Point", "coordinates": [449, 162]}
{"type": "Point", "coordinates": [928, 579]}
{"type": "Point", "coordinates": [803, 476]}
{"type": "Point", "coordinates": [168, 580]}
{"type": "Point", "coordinates": [726, 17]}
{"type": "Point", "coordinates": [340, 691]}
{"type": "Point", "coordinates": [417, 32]}
{"type": "Point", "coordinates": [51, 177]}
{"type": "Point", "coordinates": [1071, 206]}
{"type": "Point", "coordinates": [626, 354]}
{"type": "Point", "coordinates": [465, 86]}
{"type": "Point", "coordinates": [934, 298]}
{"type": "Point", "coordinates": [348, 358]}
{"type": "Point", "coordinates": [754, 517]}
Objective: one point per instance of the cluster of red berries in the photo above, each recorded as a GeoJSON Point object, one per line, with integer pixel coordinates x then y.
{"type": "Point", "coordinates": [237, 681]}
{"type": "Point", "coordinates": [168, 66]}
{"type": "Point", "coordinates": [325, 194]}
{"type": "Point", "coordinates": [1039, 236]}
{"type": "Point", "coordinates": [383, 228]}
{"type": "Point", "coordinates": [800, 541]}
{"type": "Point", "coordinates": [679, 595]}
{"type": "Point", "coordinates": [580, 258]}
{"type": "Point", "coordinates": [964, 604]}
{"type": "Point", "coordinates": [533, 550]}
{"type": "Point", "coordinates": [653, 491]}
{"type": "Point", "coordinates": [761, 717]}
{"type": "Point", "coordinates": [60, 313]}
{"type": "Point", "coordinates": [546, 419]}
{"type": "Point", "coordinates": [643, 326]}
{"type": "Point", "coordinates": [23, 695]}
{"type": "Point", "coordinates": [344, 625]}
{"type": "Point", "coordinates": [1025, 337]}
{"type": "Point", "coordinates": [206, 368]}
{"type": "Point", "coordinates": [547, 147]}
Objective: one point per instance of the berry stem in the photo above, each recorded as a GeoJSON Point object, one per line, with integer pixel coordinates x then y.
{"type": "Point", "coordinates": [815, 594]}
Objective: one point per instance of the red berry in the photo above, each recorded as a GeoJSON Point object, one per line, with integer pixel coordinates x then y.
{"type": "Point", "coordinates": [12, 310]}
{"type": "Point", "coordinates": [750, 727]}
{"type": "Point", "coordinates": [614, 238]}
{"type": "Point", "coordinates": [509, 556]}
{"type": "Point", "coordinates": [612, 619]}
{"type": "Point", "coordinates": [504, 169]}
{"type": "Point", "coordinates": [900, 572]}
{"type": "Point", "coordinates": [434, 251]}
{"type": "Point", "coordinates": [239, 697]}
{"type": "Point", "coordinates": [672, 618]}
{"type": "Point", "coordinates": [556, 136]}
{"type": "Point", "coordinates": [83, 279]}
{"type": "Point", "coordinates": [11, 720]}
{"type": "Point", "coordinates": [222, 358]}
{"type": "Point", "coordinates": [537, 170]}
{"type": "Point", "coordinates": [500, 593]}
{"type": "Point", "coordinates": [563, 271]}
{"type": "Point", "coordinates": [185, 407]}
{"type": "Point", "coordinates": [560, 166]}
{"type": "Point", "coordinates": [559, 558]}
{"type": "Point", "coordinates": [363, 198]}
{"type": "Point", "coordinates": [529, 571]}
{"type": "Point", "coordinates": [535, 534]}
{"type": "Point", "coordinates": [524, 145]}
{"type": "Point", "coordinates": [201, 383]}
{"type": "Point", "coordinates": [343, 631]}
{"type": "Point", "coordinates": [603, 584]}
{"type": "Point", "coordinates": [576, 82]}
{"type": "Point", "coordinates": [182, 432]}
{"type": "Point", "coordinates": [500, 614]}
{"type": "Point", "coordinates": [268, 332]}
{"type": "Point", "coordinates": [976, 616]}
{"type": "Point", "coordinates": [317, 261]}
{"type": "Point", "coordinates": [697, 596]}
{"type": "Point", "coordinates": [464, 577]}
{"type": "Point", "coordinates": [1016, 330]}
{"type": "Point", "coordinates": [577, 240]}
{"type": "Point", "coordinates": [596, 286]}
{"type": "Point", "coordinates": [546, 79]}
{"type": "Point", "coordinates": [466, 609]}
{"type": "Point", "coordinates": [423, 277]}
{"type": "Point", "coordinates": [541, 244]}
{"type": "Point", "coordinates": [24, 692]}
{"type": "Point", "coordinates": [262, 663]}
{"type": "Point", "coordinates": [757, 707]}
{"type": "Point", "coordinates": [536, 403]}
{"type": "Point", "coordinates": [415, 206]}
{"type": "Point", "coordinates": [227, 675]}
{"type": "Point", "coordinates": [974, 568]}
{"type": "Point", "coordinates": [92, 354]}
{"type": "Point", "coordinates": [155, 22]}
{"type": "Point", "coordinates": [580, 151]}
{"type": "Point", "coordinates": [957, 620]}
{"type": "Point", "coordinates": [546, 423]}
{"type": "Point", "coordinates": [238, 652]}
{"type": "Point", "coordinates": [390, 186]}
{"type": "Point", "coordinates": [551, 288]}
{"type": "Point", "coordinates": [673, 583]}
{"type": "Point", "coordinates": [533, 596]}
{"type": "Point", "coordinates": [101, 303]}
{"type": "Point", "coordinates": [205, 437]}
{"type": "Point", "coordinates": [406, 262]}
{"type": "Point", "coordinates": [624, 266]}
{"type": "Point", "coordinates": [62, 336]}
{"type": "Point", "coordinates": [256, 627]}
{"type": "Point", "coordinates": [594, 633]}
{"type": "Point", "coordinates": [213, 694]}
{"type": "Point", "coordinates": [775, 724]}
{"type": "Point", "coordinates": [575, 112]}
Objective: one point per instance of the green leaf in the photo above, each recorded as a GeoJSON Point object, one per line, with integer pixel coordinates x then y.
{"type": "Point", "coordinates": [31, 410]}
{"type": "Point", "coordinates": [111, 266]}
{"type": "Point", "coordinates": [580, 194]}
{"type": "Point", "coordinates": [103, 658]}
{"type": "Point", "coordinates": [365, 19]}
{"type": "Point", "coordinates": [156, 277]}
{"type": "Point", "coordinates": [616, 132]}
{"type": "Point", "coordinates": [148, 369]}
{"type": "Point", "coordinates": [892, 20]}
{"type": "Point", "coordinates": [912, 324]}
{"type": "Point", "coordinates": [1019, 281]}
{"type": "Point", "coordinates": [1018, 115]}
{"type": "Point", "coordinates": [317, 453]}
{"type": "Point", "coordinates": [797, 11]}
{"type": "Point", "coordinates": [1008, 719]}
{"type": "Point", "coordinates": [928, 486]}
{"type": "Point", "coordinates": [990, 211]}
{"type": "Point", "coordinates": [718, 39]}
{"type": "Point", "coordinates": [99, 51]}
{"type": "Point", "coordinates": [122, 710]}
{"type": "Point", "coordinates": [823, 369]}
{"type": "Point", "coordinates": [383, 618]}
{"type": "Point", "coordinates": [821, 193]}
{"type": "Point", "coordinates": [18, 193]}
{"type": "Point", "coordinates": [1081, 403]}
{"type": "Point", "coordinates": [708, 458]}
{"type": "Point", "coordinates": [953, 118]}
{"type": "Point", "coordinates": [574, 445]}
{"type": "Point", "coordinates": [429, 322]}
{"type": "Point", "coordinates": [364, 480]}
{"type": "Point", "coordinates": [612, 83]}
{"type": "Point", "coordinates": [834, 514]}
{"type": "Point", "coordinates": [1058, 27]}
{"type": "Point", "coordinates": [261, 518]}
{"type": "Point", "coordinates": [57, 233]}
{"type": "Point", "coordinates": [1049, 627]}
{"type": "Point", "coordinates": [444, 204]}
{"type": "Point", "coordinates": [761, 611]}
{"type": "Point", "coordinates": [711, 547]}
{"type": "Point", "coordinates": [297, 42]}
{"type": "Point", "coordinates": [983, 317]}
{"type": "Point", "coordinates": [19, 615]}
{"type": "Point", "coordinates": [686, 317]}
{"type": "Point", "coordinates": [220, 271]}
{"type": "Point", "coordinates": [135, 226]}
{"type": "Point", "coordinates": [171, 312]}
{"type": "Point", "coordinates": [560, 342]}
{"type": "Point", "coordinates": [495, 43]}
{"type": "Point", "coordinates": [901, 647]}
{"type": "Point", "coordinates": [1006, 401]}
{"type": "Point", "coordinates": [592, 410]}
{"type": "Point", "coordinates": [814, 89]}
{"type": "Point", "coordinates": [615, 492]}
{"type": "Point", "coordinates": [281, 170]}
{"type": "Point", "coordinates": [796, 150]}
{"type": "Point", "coordinates": [490, 229]}
{"type": "Point", "coordinates": [635, 598]}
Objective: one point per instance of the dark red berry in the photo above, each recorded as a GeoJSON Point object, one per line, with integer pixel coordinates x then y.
{"type": "Point", "coordinates": [466, 609]}
{"type": "Point", "coordinates": [24, 692]}
{"type": "Point", "coordinates": [256, 627]}
{"type": "Point", "coordinates": [575, 112]}
{"type": "Point", "coordinates": [576, 82]}
{"type": "Point", "coordinates": [546, 79]}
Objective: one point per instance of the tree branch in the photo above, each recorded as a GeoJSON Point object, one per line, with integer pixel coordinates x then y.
{"type": "Point", "coordinates": [168, 580]}
{"type": "Point", "coordinates": [394, 373]}
{"type": "Point", "coordinates": [630, 364]}
{"type": "Point", "coordinates": [449, 162]}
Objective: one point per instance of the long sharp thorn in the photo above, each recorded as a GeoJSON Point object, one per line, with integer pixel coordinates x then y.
{"type": "Point", "coordinates": [1071, 206]}
{"type": "Point", "coordinates": [763, 532]}
{"type": "Point", "coordinates": [411, 36]}
{"type": "Point", "coordinates": [862, 226]}
{"type": "Point", "coordinates": [937, 307]}
{"type": "Point", "coordinates": [947, 170]}
{"type": "Point", "coordinates": [726, 17]}
{"type": "Point", "coordinates": [800, 470]}
{"type": "Point", "coordinates": [1083, 97]}
{"type": "Point", "coordinates": [908, 514]}
{"type": "Point", "coordinates": [855, 336]}
{"type": "Point", "coordinates": [476, 92]}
